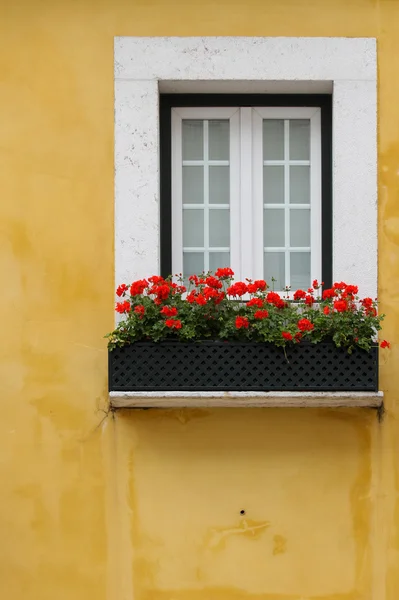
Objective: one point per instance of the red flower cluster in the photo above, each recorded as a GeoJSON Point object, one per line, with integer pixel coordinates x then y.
{"type": "Point", "coordinates": [299, 295]}
{"type": "Point", "coordinates": [257, 286]}
{"type": "Point", "coordinates": [122, 307]}
{"type": "Point", "coordinates": [169, 311]}
{"type": "Point", "coordinates": [121, 289]}
{"type": "Point", "coordinates": [385, 344]}
{"type": "Point", "coordinates": [255, 302]}
{"type": "Point", "coordinates": [261, 314]}
{"type": "Point", "coordinates": [224, 273]}
{"type": "Point", "coordinates": [138, 287]}
{"type": "Point", "coordinates": [242, 322]}
{"type": "Point", "coordinates": [173, 323]}
{"type": "Point", "coordinates": [305, 325]}
{"type": "Point", "coordinates": [273, 298]}
{"type": "Point", "coordinates": [340, 305]}
{"type": "Point", "coordinates": [237, 289]}
{"type": "Point", "coordinates": [287, 335]}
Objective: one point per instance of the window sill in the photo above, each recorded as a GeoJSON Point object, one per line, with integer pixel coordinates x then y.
{"type": "Point", "coordinates": [246, 399]}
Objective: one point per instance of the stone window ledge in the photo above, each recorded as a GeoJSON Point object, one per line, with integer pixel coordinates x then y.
{"type": "Point", "coordinates": [246, 399]}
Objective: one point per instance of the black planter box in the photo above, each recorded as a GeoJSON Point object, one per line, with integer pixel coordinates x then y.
{"type": "Point", "coordinates": [210, 366]}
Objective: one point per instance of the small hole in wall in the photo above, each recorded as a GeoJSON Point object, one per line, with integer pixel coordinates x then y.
{"type": "Point", "coordinates": [242, 512]}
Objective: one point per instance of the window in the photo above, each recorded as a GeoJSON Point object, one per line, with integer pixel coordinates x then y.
{"type": "Point", "coordinates": [247, 184]}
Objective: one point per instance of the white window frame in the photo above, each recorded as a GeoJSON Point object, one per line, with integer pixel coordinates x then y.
{"type": "Point", "coordinates": [246, 186]}
{"type": "Point", "coordinates": [346, 67]}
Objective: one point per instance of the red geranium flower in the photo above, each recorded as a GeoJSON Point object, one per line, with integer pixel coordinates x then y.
{"type": "Point", "coordinates": [309, 300]}
{"type": "Point", "coordinates": [162, 291]}
{"type": "Point", "coordinates": [352, 290]}
{"type": "Point", "coordinates": [339, 286]}
{"type": "Point", "coordinates": [298, 336]}
{"type": "Point", "coordinates": [367, 302]}
{"type": "Point", "coordinates": [315, 284]}
{"type": "Point", "coordinates": [261, 314]}
{"type": "Point", "coordinates": [257, 286]}
{"type": "Point", "coordinates": [272, 298]}
{"type": "Point", "coordinates": [169, 311]}
{"type": "Point", "coordinates": [121, 289]}
{"type": "Point", "coordinates": [200, 299]}
{"type": "Point", "coordinates": [255, 302]}
{"type": "Point", "coordinates": [242, 322]}
{"type": "Point", "coordinates": [138, 287]}
{"type": "Point", "coordinates": [156, 280]}
{"type": "Point", "coordinates": [286, 335]}
{"type": "Point", "coordinates": [122, 307]}
{"type": "Point", "coordinates": [340, 305]}
{"type": "Point", "coordinates": [225, 272]}
{"type": "Point", "coordinates": [305, 325]}
{"type": "Point", "coordinates": [213, 282]}
{"type": "Point", "coordinates": [330, 293]}
{"type": "Point", "coordinates": [326, 310]}
{"type": "Point", "coordinates": [237, 289]}
{"type": "Point", "coordinates": [385, 344]}
{"type": "Point", "coordinates": [299, 294]}
{"type": "Point", "coordinates": [173, 323]}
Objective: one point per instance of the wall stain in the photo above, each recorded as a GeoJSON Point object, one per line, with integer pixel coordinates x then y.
{"type": "Point", "coordinates": [248, 528]}
{"type": "Point", "coordinates": [279, 544]}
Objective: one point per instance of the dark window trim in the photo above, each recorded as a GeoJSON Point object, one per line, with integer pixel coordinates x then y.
{"type": "Point", "coordinates": [169, 101]}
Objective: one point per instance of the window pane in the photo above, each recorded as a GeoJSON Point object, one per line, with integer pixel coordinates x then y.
{"type": "Point", "coordinates": [219, 185]}
{"type": "Point", "coordinates": [273, 227]}
{"type": "Point", "coordinates": [193, 185]}
{"type": "Point", "coordinates": [219, 228]}
{"type": "Point", "coordinates": [300, 227]}
{"type": "Point", "coordinates": [193, 263]}
{"type": "Point", "coordinates": [193, 228]}
{"type": "Point", "coordinates": [273, 185]}
{"type": "Point", "coordinates": [273, 139]}
{"type": "Point", "coordinates": [193, 140]}
{"type": "Point", "coordinates": [299, 139]}
{"type": "Point", "coordinates": [274, 266]}
{"type": "Point", "coordinates": [218, 259]}
{"type": "Point", "coordinates": [300, 185]}
{"type": "Point", "coordinates": [219, 140]}
{"type": "Point", "coordinates": [300, 270]}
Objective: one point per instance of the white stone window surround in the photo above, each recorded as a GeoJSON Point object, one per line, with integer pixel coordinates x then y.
{"type": "Point", "coordinates": [146, 66]}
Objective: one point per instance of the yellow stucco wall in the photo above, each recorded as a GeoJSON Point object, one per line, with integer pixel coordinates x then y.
{"type": "Point", "coordinates": [145, 505]}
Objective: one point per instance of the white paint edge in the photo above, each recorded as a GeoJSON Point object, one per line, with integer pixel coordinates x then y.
{"type": "Point", "coordinates": [246, 399]}
{"type": "Point", "coordinates": [144, 64]}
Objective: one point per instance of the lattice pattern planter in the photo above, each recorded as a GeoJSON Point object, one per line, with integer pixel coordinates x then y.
{"type": "Point", "coordinates": [241, 366]}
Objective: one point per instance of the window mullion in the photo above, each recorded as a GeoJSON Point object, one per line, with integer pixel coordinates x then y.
{"type": "Point", "coordinates": [246, 189]}
{"type": "Point", "coordinates": [206, 195]}
{"type": "Point", "coordinates": [287, 201]}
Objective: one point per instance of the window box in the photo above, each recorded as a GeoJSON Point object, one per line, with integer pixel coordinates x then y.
{"type": "Point", "coordinates": [207, 366]}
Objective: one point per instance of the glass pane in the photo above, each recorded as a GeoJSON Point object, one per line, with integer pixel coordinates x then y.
{"type": "Point", "coordinates": [219, 228]}
{"type": "Point", "coordinates": [193, 140]}
{"type": "Point", "coordinates": [193, 185]}
{"type": "Point", "coordinates": [273, 185]}
{"type": "Point", "coordinates": [300, 270]}
{"type": "Point", "coordinates": [193, 263]}
{"type": "Point", "coordinates": [273, 227]}
{"type": "Point", "coordinates": [193, 228]}
{"type": "Point", "coordinates": [274, 266]}
{"type": "Point", "coordinates": [218, 259]}
{"type": "Point", "coordinates": [219, 140]}
{"type": "Point", "coordinates": [219, 185]}
{"type": "Point", "coordinates": [300, 227]}
{"type": "Point", "coordinates": [273, 139]}
{"type": "Point", "coordinates": [299, 139]}
{"type": "Point", "coordinates": [300, 185]}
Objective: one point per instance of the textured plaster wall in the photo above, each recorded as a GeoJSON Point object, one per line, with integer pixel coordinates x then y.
{"type": "Point", "coordinates": [145, 505]}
